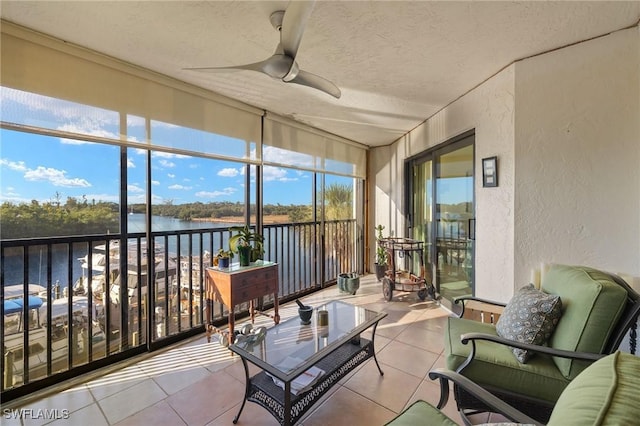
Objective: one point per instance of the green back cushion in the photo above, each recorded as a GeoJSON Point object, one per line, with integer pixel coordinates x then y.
{"type": "Point", "coordinates": [606, 393]}
{"type": "Point", "coordinates": [591, 306]}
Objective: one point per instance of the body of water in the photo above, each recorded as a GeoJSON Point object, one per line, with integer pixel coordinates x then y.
{"type": "Point", "coordinates": [13, 266]}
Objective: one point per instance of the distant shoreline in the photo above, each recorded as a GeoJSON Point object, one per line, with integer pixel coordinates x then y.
{"type": "Point", "coordinates": [240, 220]}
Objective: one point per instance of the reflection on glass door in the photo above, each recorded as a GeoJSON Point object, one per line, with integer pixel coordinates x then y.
{"type": "Point", "coordinates": [442, 214]}
{"type": "Point", "coordinates": [454, 222]}
{"type": "Point", "coordinates": [423, 211]}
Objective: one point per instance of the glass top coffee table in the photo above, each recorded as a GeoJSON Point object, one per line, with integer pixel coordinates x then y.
{"type": "Point", "coordinates": [301, 362]}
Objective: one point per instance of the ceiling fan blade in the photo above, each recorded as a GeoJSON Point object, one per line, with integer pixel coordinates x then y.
{"type": "Point", "coordinates": [256, 66]}
{"type": "Point", "coordinates": [293, 24]}
{"type": "Point", "coordinates": [311, 80]}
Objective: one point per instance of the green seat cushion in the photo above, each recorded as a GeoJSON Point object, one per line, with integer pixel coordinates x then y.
{"type": "Point", "coordinates": [591, 306]}
{"type": "Point", "coordinates": [606, 393]}
{"type": "Point", "coordinates": [530, 317]}
{"type": "Point", "coordinates": [422, 413]}
{"type": "Point", "coordinates": [495, 365]}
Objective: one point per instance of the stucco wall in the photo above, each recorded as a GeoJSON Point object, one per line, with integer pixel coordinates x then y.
{"type": "Point", "coordinates": [565, 127]}
{"type": "Point", "coordinates": [489, 110]}
{"type": "Point", "coordinates": [578, 156]}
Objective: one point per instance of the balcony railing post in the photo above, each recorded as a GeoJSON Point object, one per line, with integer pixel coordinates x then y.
{"type": "Point", "coordinates": [8, 370]}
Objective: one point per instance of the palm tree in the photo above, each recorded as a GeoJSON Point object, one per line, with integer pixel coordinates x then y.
{"type": "Point", "coordinates": [339, 206]}
{"type": "Point", "coordinates": [338, 201]}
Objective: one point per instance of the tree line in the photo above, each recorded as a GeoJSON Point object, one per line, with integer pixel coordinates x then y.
{"type": "Point", "coordinates": [84, 217]}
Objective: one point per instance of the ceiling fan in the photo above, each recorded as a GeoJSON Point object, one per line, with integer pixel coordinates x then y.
{"type": "Point", "coordinates": [282, 64]}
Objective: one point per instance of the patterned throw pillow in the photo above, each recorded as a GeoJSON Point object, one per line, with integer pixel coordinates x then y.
{"type": "Point", "coordinates": [530, 317]}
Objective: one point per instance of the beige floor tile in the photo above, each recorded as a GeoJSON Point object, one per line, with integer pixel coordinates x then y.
{"type": "Point", "coordinates": [173, 370]}
{"type": "Point", "coordinates": [12, 417]}
{"type": "Point", "coordinates": [236, 370]}
{"type": "Point", "coordinates": [131, 400]}
{"type": "Point", "coordinates": [408, 358]}
{"type": "Point", "coordinates": [435, 320]}
{"type": "Point", "coordinates": [422, 338]}
{"type": "Point", "coordinates": [252, 415]}
{"type": "Point", "coordinates": [210, 355]}
{"type": "Point", "coordinates": [59, 405]}
{"type": "Point", "coordinates": [389, 328]}
{"type": "Point", "coordinates": [391, 390]}
{"type": "Point", "coordinates": [346, 407]}
{"type": "Point", "coordinates": [207, 399]}
{"type": "Point", "coordinates": [117, 381]}
{"type": "Point", "coordinates": [89, 415]}
{"type": "Point", "coordinates": [160, 414]}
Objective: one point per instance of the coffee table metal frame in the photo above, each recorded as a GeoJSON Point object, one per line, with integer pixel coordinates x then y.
{"type": "Point", "coordinates": [336, 349]}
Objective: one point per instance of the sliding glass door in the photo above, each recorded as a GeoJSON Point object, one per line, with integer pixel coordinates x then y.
{"type": "Point", "coordinates": [441, 213]}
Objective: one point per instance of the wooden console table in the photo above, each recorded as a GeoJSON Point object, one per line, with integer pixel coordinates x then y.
{"type": "Point", "coordinates": [238, 284]}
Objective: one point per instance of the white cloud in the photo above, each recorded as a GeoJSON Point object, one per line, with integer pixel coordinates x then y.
{"type": "Point", "coordinates": [58, 109]}
{"type": "Point", "coordinates": [155, 182]}
{"type": "Point", "coordinates": [278, 174]}
{"type": "Point", "coordinates": [171, 175]}
{"type": "Point", "coordinates": [134, 188]}
{"type": "Point", "coordinates": [167, 164]}
{"type": "Point", "coordinates": [10, 194]}
{"type": "Point", "coordinates": [162, 154]}
{"type": "Point", "coordinates": [130, 163]}
{"type": "Point", "coordinates": [137, 199]}
{"type": "Point", "coordinates": [18, 166]}
{"type": "Point", "coordinates": [55, 177]}
{"type": "Point", "coordinates": [135, 121]}
{"type": "Point", "coordinates": [86, 126]}
{"type": "Point", "coordinates": [214, 194]}
{"type": "Point", "coordinates": [180, 187]}
{"type": "Point", "coordinates": [228, 172]}
{"type": "Point", "coordinates": [283, 156]}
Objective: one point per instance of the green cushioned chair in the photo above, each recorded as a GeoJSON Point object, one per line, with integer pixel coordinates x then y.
{"type": "Point", "coordinates": [605, 393]}
{"type": "Point", "coordinates": [598, 310]}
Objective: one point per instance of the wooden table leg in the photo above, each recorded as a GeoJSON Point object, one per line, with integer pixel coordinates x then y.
{"type": "Point", "coordinates": [207, 320]}
{"type": "Point", "coordinates": [232, 336]}
{"type": "Point", "coordinates": [276, 316]}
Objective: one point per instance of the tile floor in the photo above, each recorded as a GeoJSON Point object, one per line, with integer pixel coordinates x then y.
{"type": "Point", "coordinates": [200, 383]}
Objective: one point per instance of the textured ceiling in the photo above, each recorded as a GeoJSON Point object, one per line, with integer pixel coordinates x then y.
{"type": "Point", "coordinates": [396, 62]}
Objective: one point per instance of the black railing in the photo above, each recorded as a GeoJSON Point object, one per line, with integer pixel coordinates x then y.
{"type": "Point", "coordinates": [99, 314]}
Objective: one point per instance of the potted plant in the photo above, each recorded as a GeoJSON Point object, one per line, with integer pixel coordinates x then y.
{"type": "Point", "coordinates": [241, 243]}
{"type": "Point", "coordinates": [223, 257]}
{"type": "Point", "coordinates": [381, 254]}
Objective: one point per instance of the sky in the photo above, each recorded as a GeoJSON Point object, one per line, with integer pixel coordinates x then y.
{"type": "Point", "coordinates": [47, 168]}
{"type": "Point", "coordinates": [52, 168]}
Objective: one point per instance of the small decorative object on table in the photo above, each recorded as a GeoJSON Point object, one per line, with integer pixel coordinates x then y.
{"type": "Point", "coordinates": [241, 242]}
{"type": "Point", "coordinates": [323, 317]}
{"type": "Point", "coordinates": [305, 312]}
{"type": "Point", "coordinates": [223, 258]}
